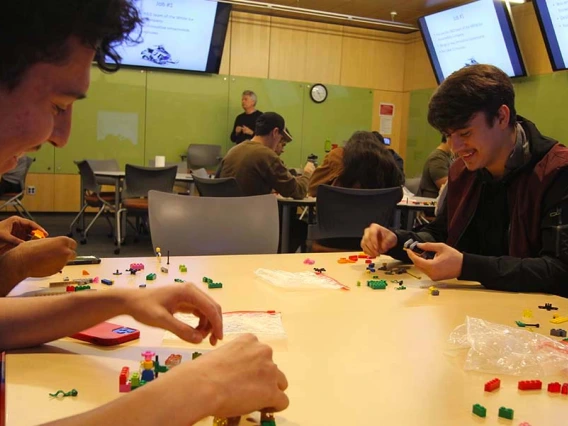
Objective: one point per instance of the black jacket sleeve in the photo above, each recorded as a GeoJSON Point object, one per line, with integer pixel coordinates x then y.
{"type": "Point", "coordinates": [233, 133]}
{"type": "Point", "coordinates": [435, 232]}
{"type": "Point", "coordinates": [547, 273]}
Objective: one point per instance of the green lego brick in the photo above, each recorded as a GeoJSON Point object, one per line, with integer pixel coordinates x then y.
{"type": "Point", "coordinates": [151, 277]}
{"type": "Point", "coordinates": [268, 423]}
{"type": "Point", "coordinates": [479, 410]}
{"type": "Point", "coordinates": [215, 285]}
{"type": "Point", "coordinates": [195, 355]}
{"type": "Point", "coordinates": [506, 413]}
{"type": "Point", "coordinates": [358, 283]}
{"type": "Point", "coordinates": [179, 280]}
{"type": "Point", "coordinates": [401, 287]}
{"type": "Point", "coordinates": [377, 284]}
{"type": "Point", "coordinates": [205, 279]}
{"type": "Point", "coordinates": [182, 268]}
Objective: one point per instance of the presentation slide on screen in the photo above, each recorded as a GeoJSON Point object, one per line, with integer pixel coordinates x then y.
{"type": "Point", "coordinates": [558, 11]}
{"type": "Point", "coordinates": [176, 34]}
{"type": "Point", "coordinates": [469, 35]}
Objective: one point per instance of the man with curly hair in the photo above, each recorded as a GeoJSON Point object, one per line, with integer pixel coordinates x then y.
{"type": "Point", "coordinates": [47, 49]}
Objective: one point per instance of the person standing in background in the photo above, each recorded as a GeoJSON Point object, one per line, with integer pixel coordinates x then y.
{"type": "Point", "coordinates": [243, 129]}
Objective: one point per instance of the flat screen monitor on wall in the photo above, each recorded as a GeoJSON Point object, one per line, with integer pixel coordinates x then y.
{"type": "Point", "coordinates": [184, 35]}
{"type": "Point", "coordinates": [553, 20]}
{"type": "Point", "coordinates": [480, 32]}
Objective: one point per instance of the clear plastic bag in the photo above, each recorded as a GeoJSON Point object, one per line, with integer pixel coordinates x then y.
{"type": "Point", "coordinates": [299, 280]}
{"type": "Point", "coordinates": [500, 349]}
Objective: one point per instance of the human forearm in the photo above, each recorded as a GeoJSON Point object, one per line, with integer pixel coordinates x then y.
{"type": "Point", "coordinates": [12, 273]}
{"type": "Point", "coordinates": [191, 397]}
{"type": "Point", "coordinates": [60, 316]}
{"type": "Point", "coordinates": [506, 273]}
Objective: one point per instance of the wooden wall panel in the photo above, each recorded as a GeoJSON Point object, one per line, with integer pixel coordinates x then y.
{"type": "Point", "coordinates": [323, 53]}
{"type": "Point", "coordinates": [42, 201]}
{"type": "Point", "coordinates": [418, 73]}
{"type": "Point", "coordinates": [372, 59]}
{"type": "Point", "coordinates": [288, 45]}
{"type": "Point", "coordinates": [66, 195]}
{"type": "Point", "coordinates": [400, 120]}
{"type": "Point", "coordinates": [249, 41]}
{"type": "Point", "coordinates": [530, 40]}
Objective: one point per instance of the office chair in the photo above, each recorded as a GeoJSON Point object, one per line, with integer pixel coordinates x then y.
{"type": "Point", "coordinates": [221, 187]}
{"type": "Point", "coordinates": [190, 226]}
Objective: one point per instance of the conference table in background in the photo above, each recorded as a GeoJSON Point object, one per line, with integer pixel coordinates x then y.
{"type": "Point", "coordinates": [352, 357]}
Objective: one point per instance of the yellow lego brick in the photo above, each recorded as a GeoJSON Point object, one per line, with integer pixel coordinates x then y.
{"type": "Point", "coordinates": [558, 320]}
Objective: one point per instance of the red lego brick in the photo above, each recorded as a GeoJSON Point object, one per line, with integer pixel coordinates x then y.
{"type": "Point", "coordinates": [361, 256]}
{"type": "Point", "coordinates": [368, 261]}
{"type": "Point", "coordinates": [564, 390]}
{"type": "Point", "coordinates": [554, 387]}
{"type": "Point", "coordinates": [530, 385]}
{"type": "Point", "coordinates": [491, 385]}
{"type": "Point", "coordinates": [123, 378]}
{"type": "Point", "coordinates": [353, 258]}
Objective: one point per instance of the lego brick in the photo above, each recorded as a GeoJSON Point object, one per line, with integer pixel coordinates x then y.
{"type": "Point", "coordinates": [530, 385]}
{"type": "Point", "coordinates": [558, 332]}
{"type": "Point", "coordinates": [124, 388]}
{"type": "Point", "coordinates": [506, 413]}
{"type": "Point", "coordinates": [164, 269]}
{"type": "Point", "coordinates": [182, 268]}
{"type": "Point", "coordinates": [107, 282]}
{"type": "Point", "coordinates": [479, 410]}
{"type": "Point", "coordinates": [215, 285]}
{"type": "Point", "coordinates": [557, 319]}
{"type": "Point", "coordinates": [554, 387]}
{"type": "Point", "coordinates": [491, 385]}
{"type": "Point", "coordinates": [151, 277]}
{"type": "Point", "coordinates": [435, 292]}
{"type": "Point", "coordinates": [123, 377]}
{"type": "Point", "coordinates": [564, 390]}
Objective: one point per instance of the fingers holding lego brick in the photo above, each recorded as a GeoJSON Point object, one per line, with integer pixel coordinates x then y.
{"type": "Point", "coordinates": [446, 263]}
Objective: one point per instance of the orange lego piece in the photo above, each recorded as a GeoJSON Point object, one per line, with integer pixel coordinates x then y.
{"type": "Point", "coordinates": [85, 272]}
{"type": "Point", "coordinates": [36, 234]}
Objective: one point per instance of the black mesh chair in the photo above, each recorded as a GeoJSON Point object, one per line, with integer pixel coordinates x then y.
{"type": "Point", "coordinates": [92, 196]}
{"type": "Point", "coordinates": [221, 187]}
{"type": "Point", "coordinates": [344, 213]}
{"type": "Point", "coordinates": [203, 156]}
{"type": "Point", "coordinates": [14, 199]}
{"type": "Point", "coordinates": [137, 182]}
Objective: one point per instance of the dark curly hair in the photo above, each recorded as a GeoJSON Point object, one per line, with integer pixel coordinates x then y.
{"type": "Point", "coordinates": [368, 164]}
{"type": "Point", "coordinates": [33, 31]}
{"type": "Point", "coordinates": [472, 89]}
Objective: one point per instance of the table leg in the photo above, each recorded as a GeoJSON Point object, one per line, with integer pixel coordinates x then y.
{"type": "Point", "coordinates": [285, 231]}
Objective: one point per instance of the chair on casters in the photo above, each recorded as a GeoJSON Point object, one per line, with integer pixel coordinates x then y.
{"type": "Point", "coordinates": [221, 187]}
{"type": "Point", "coordinates": [14, 199]}
{"type": "Point", "coordinates": [196, 226]}
{"type": "Point", "coordinates": [137, 182]}
{"type": "Point", "coordinates": [92, 196]}
{"type": "Point", "coordinates": [203, 156]}
{"type": "Point", "coordinates": [344, 213]}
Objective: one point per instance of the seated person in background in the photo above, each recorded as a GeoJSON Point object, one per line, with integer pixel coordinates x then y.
{"type": "Point", "coordinates": [55, 44]}
{"type": "Point", "coordinates": [435, 171]}
{"type": "Point", "coordinates": [366, 164]}
{"type": "Point", "coordinates": [397, 158]}
{"type": "Point", "coordinates": [243, 129]}
{"type": "Point", "coordinates": [502, 221]}
{"type": "Point", "coordinates": [332, 166]}
{"type": "Point", "coordinates": [257, 167]}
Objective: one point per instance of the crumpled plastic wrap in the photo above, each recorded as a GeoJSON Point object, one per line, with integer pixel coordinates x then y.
{"type": "Point", "coordinates": [500, 349]}
{"type": "Point", "coordinates": [298, 280]}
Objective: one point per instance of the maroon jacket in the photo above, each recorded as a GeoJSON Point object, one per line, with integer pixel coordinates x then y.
{"type": "Point", "coordinates": [515, 244]}
{"type": "Point", "coordinates": [525, 195]}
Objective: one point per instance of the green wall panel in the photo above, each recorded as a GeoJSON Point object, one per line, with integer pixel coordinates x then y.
{"type": "Point", "coordinates": [345, 111]}
{"type": "Point", "coordinates": [422, 138]}
{"type": "Point", "coordinates": [184, 109]}
{"type": "Point", "coordinates": [283, 97]}
{"type": "Point", "coordinates": [110, 123]}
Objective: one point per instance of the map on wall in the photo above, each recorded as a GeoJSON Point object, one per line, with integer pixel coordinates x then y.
{"type": "Point", "coordinates": [115, 126]}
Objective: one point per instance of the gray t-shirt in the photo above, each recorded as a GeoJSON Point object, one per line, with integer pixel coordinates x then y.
{"type": "Point", "coordinates": [436, 167]}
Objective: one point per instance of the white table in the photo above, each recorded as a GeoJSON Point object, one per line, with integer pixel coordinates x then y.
{"type": "Point", "coordinates": [414, 204]}
{"type": "Point", "coordinates": [358, 357]}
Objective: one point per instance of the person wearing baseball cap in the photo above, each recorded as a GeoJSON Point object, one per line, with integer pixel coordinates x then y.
{"type": "Point", "coordinates": [256, 166]}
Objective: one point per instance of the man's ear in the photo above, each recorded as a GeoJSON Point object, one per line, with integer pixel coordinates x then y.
{"type": "Point", "coordinates": [503, 116]}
